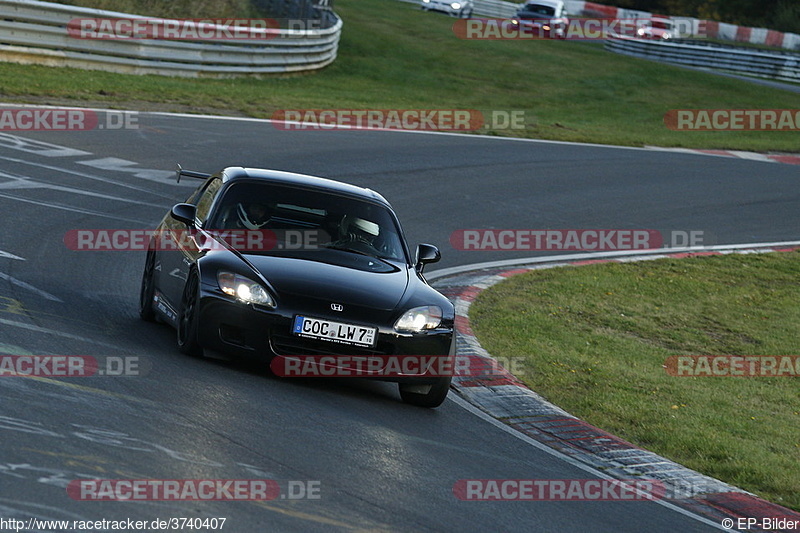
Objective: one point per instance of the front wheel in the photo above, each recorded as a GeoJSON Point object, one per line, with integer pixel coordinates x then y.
{"type": "Point", "coordinates": [189, 318]}
{"type": "Point", "coordinates": [431, 395]}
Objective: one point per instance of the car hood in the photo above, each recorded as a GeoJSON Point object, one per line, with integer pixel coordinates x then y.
{"type": "Point", "coordinates": [340, 284]}
{"type": "Point", "coordinates": [534, 16]}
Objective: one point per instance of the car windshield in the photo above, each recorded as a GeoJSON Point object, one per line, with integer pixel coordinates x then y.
{"type": "Point", "coordinates": [309, 223]}
{"type": "Point", "coordinates": [536, 9]}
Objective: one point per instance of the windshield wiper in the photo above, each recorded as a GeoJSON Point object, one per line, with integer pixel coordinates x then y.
{"type": "Point", "coordinates": [381, 258]}
{"type": "Point", "coordinates": [346, 249]}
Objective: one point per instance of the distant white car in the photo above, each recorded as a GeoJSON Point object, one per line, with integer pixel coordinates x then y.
{"type": "Point", "coordinates": [547, 17]}
{"type": "Point", "coordinates": [658, 28]}
{"type": "Point", "coordinates": [455, 8]}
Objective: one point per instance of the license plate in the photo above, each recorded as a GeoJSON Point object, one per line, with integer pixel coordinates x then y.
{"type": "Point", "coordinates": [316, 328]}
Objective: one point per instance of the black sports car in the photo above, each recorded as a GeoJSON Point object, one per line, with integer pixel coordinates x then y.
{"type": "Point", "coordinates": [278, 266]}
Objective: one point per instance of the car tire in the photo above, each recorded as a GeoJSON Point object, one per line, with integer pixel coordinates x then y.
{"type": "Point", "coordinates": [189, 318]}
{"type": "Point", "coordinates": [433, 398]}
{"type": "Point", "coordinates": [147, 290]}
{"type": "Point", "coordinates": [468, 14]}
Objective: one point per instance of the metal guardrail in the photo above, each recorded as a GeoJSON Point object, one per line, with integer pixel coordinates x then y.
{"type": "Point", "coordinates": [505, 10]}
{"type": "Point", "coordinates": [496, 8]}
{"type": "Point", "coordinates": [33, 32]}
{"type": "Point", "coordinates": [783, 66]}
{"type": "Point", "coordinates": [696, 27]}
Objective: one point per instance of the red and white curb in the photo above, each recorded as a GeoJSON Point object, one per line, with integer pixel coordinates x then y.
{"type": "Point", "coordinates": [502, 396]}
{"type": "Point", "coordinates": [787, 159]}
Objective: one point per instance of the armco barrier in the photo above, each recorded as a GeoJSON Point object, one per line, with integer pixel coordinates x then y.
{"type": "Point", "coordinates": [496, 8]}
{"type": "Point", "coordinates": [700, 28]}
{"type": "Point", "coordinates": [575, 8]}
{"type": "Point", "coordinates": [783, 66]}
{"type": "Point", "coordinates": [33, 32]}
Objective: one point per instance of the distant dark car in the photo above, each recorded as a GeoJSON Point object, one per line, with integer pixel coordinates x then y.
{"type": "Point", "coordinates": [336, 277]}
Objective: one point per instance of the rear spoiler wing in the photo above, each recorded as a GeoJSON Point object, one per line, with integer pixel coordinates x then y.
{"type": "Point", "coordinates": [180, 173]}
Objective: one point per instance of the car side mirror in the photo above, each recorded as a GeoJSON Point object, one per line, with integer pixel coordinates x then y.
{"type": "Point", "coordinates": [426, 253]}
{"type": "Point", "coordinates": [185, 213]}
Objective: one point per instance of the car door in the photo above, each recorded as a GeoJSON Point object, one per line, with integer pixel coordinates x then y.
{"type": "Point", "coordinates": [182, 251]}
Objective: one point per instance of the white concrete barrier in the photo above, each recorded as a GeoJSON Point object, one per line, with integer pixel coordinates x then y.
{"type": "Point", "coordinates": [33, 32]}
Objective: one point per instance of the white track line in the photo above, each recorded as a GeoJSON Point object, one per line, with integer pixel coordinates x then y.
{"type": "Point", "coordinates": [571, 461]}
{"type": "Point", "coordinates": [42, 203]}
{"type": "Point", "coordinates": [48, 331]}
{"type": "Point", "coordinates": [8, 255]}
{"type": "Point", "coordinates": [27, 286]}
{"type": "Point", "coordinates": [601, 255]}
{"type": "Point", "coordinates": [346, 128]}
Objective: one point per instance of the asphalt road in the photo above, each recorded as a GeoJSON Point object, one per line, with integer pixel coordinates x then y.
{"type": "Point", "coordinates": [374, 463]}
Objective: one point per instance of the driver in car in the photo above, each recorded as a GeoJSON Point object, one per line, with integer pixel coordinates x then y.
{"type": "Point", "coordinates": [248, 215]}
{"type": "Point", "coordinates": [363, 231]}
{"type": "Point", "coordinates": [358, 234]}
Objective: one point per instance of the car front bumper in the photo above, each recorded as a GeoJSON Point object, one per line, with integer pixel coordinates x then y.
{"type": "Point", "coordinates": [244, 330]}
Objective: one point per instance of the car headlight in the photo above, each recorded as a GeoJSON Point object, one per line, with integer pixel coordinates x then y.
{"type": "Point", "coordinates": [244, 289]}
{"type": "Point", "coordinates": [419, 319]}
{"type": "Point", "coordinates": [455, 5]}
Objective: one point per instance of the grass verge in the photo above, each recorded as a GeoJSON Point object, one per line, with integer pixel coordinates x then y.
{"type": "Point", "coordinates": [594, 340]}
{"type": "Point", "coordinates": [219, 9]}
{"type": "Point", "coordinates": [393, 56]}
